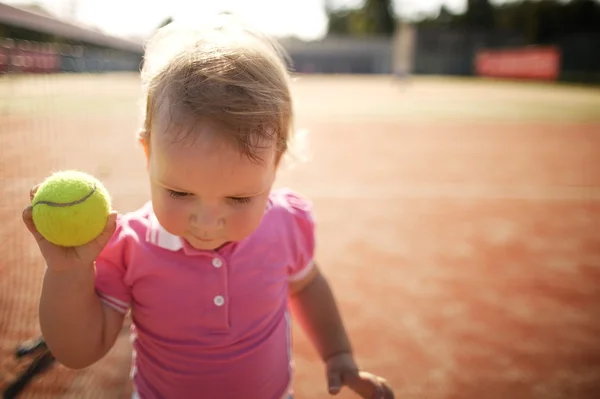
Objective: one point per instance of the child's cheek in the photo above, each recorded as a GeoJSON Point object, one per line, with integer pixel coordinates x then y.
{"type": "Point", "coordinates": [173, 213]}
{"type": "Point", "coordinates": [179, 211]}
{"type": "Point", "coordinates": [247, 219]}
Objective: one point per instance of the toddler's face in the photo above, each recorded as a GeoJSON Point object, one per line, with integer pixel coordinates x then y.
{"type": "Point", "coordinates": [205, 191]}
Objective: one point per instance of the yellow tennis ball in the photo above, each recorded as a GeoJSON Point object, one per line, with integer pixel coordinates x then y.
{"type": "Point", "coordinates": [71, 208]}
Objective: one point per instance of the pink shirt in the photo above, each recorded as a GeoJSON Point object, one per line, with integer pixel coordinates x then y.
{"type": "Point", "coordinates": [211, 324]}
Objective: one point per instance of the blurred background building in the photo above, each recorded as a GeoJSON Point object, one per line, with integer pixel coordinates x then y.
{"type": "Point", "coordinates": [33, 40]}
{"type": "Point", "coordinates": [549, 39]}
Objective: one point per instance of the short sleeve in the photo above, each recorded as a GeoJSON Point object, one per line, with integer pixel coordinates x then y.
{"type": "Point", "coordinates": [302, 228]}
{"type": "Point", "coordinates": [111, 269]}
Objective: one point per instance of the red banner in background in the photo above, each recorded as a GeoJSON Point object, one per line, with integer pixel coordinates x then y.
{"type": "Point", "coordinates": [539, 63]}
{"type": "Point", "coordinates": [30, 57]}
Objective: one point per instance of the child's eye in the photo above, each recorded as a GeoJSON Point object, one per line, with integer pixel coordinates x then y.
{"type": "Point", "coordinates": [177, 194]}
{"type": "Point", "coordinates": [241, 200]}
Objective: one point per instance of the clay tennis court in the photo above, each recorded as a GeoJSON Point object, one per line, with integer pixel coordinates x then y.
{"type": "Point", "coordinates": [458, 222]}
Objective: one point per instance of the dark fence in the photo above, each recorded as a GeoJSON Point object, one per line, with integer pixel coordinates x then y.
{"type": "Point", "coordinates": [444, 51]}
{"type": "Point", "coordinates": [580, 57]}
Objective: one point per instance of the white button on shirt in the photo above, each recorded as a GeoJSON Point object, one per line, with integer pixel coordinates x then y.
{"type": "Point", "coordinates": [219, 300]}
{"type": "Point", "coordinates": [216, 262]}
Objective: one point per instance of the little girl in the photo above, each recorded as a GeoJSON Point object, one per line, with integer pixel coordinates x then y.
{"type": "Point", "coordinates": [211, 264]}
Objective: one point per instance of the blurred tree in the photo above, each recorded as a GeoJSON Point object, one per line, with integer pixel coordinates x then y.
{"type": "Point", "coordinates": [380, 17]}
{"type": "Point", "coordinates": [374, 17]}
{"type": "Point", "coordinates": [531, 14]}
{"type": "Point", "coordinates": [538, 21]}
{"type": "Point", "coordinates": [445, 16]}
{"type": "Point", "coordinates": [347, 22]}
{"type": "Point", "coordinates": [165, 23]}
{"type": "Point", "coordinates": [479, 14]}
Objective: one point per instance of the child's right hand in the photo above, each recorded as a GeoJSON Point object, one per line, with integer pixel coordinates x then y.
{"type": "Point", "coordinates": [66, 258]}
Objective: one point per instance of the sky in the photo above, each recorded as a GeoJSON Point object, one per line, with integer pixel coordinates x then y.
{"type": "Point", "coordinates": [302, 18]}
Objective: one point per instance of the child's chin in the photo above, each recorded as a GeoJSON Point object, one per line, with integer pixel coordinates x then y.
{"type": "Point", "coordinates": [205, 245]}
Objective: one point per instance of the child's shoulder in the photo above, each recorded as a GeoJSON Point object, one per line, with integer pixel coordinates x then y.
{"type": "Point", "coordinates": [287, 201]}
{"type": "Point", "coordinates": [132, 228]}
{"type": "Point", "coordinates": [289, 219]}
{"type": "Point", "coordinates": [137, 222]}
{"type": "Point", "coordinates": [289, 210]}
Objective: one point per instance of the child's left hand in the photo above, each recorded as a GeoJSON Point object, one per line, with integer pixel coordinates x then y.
{"type": "Point", "coordinates": [342, 370]}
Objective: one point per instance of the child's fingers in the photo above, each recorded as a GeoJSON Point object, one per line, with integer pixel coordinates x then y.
{"type": "Point", "coordinates": [334, 382]}
{"type": "Point", "coordinates": [383, 390]}
{"type": "Point", "coordinates": [362, 385]}
{"type": "Point", "coordinates": [33, 191]}
{"type": "Point", "coordinates": [46, 247]}
{"type": "Point", "coordinates": [370, 386]}
{"type": "Point", "coordinates": [111, 224]}
{"type": "Point", "coordinates": [109, 230]}
{"type": "Point", "coordinates": [387, 390]}
{"type": "Point", "coordinates": [100, 242]}
{"type": "Point", "coordinates": [28, 220]}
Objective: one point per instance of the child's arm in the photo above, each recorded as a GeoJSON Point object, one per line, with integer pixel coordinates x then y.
{"type": "Point", "coordinates": [76, 326]}
{"type": "Point", "coordinates": [315, 307]}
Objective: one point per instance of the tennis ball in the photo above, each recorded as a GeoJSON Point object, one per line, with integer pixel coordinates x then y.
{"type": "Point", "coordinates": [70, 208]}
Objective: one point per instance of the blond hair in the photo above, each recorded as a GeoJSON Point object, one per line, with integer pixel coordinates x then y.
{"type": "Point", "coordinates": [227, 74]}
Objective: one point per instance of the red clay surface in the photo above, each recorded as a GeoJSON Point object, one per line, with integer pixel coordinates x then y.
{"type": "Point", "coordinates": [464, 251]}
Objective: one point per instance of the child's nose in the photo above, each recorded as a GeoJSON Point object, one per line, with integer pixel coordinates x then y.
{"type": "Point", "coordinates": [207, 218]}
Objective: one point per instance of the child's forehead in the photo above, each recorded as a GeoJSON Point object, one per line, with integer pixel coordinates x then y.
{"type": "Point", "coordinates": [210, 171]}
{"type": "Point", "coordinates": [201, 138]}
{"type": "Point", "coordinates": [171, 133]}
{"type": "Point", "coordinates": [209, 157]}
